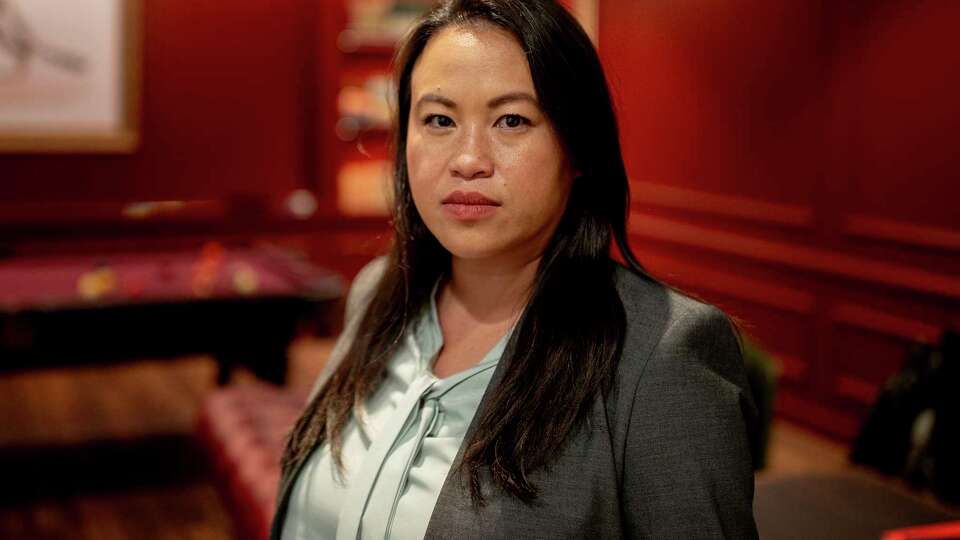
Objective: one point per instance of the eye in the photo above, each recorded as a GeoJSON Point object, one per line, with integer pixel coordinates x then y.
{"type": "Point", "coordinates": [512, 121]}
{"type": "Point", "coordinates": [438, 121]}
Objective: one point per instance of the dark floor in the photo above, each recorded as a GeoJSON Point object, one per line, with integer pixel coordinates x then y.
{"type": "Point", "coordinates": [107, 454]}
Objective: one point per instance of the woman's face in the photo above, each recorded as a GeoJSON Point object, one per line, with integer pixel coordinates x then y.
{"type": "Point", "coordinates": [487, 171]}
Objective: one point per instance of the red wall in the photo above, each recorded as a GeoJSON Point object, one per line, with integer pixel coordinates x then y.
{"type": "Point", "coordinates": [224, 111]}
{"type": "Point", "coordinates": [796, 163]}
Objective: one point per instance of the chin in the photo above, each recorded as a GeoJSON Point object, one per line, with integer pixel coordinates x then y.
{"type": "Point", "coordinates": [468, 251]}
{"type": "Point", "coordinates": [467, 247]}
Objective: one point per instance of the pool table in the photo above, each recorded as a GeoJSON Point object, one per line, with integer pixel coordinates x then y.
{"type": "Point", "coordinates": [241, 305]}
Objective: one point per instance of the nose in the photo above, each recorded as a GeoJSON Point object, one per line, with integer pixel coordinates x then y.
{"type": "Point", "coordinates": [472, 159]}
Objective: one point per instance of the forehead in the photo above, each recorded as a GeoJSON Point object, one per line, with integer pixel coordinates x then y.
{"type": "Point", "coordinates": [477, 59]}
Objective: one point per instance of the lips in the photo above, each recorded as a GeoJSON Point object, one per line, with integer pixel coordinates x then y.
{"type": "Point", "coordinates": [469, 198]}
{"type": "Point", "coordinates": [469, 206]}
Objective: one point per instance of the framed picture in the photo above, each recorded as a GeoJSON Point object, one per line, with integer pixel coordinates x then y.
{"type": "Point", "coordinates": [69, 76]}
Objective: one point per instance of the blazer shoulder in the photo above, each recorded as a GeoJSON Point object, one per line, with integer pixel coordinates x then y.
{"type": "Point", "coordinates": [363, 287]}
{"type": "Point", "coordinates": [686, 413]}
{"type": "Point", "coordinates": [649, 302]}
{"type": "Point", "coordinates": [651, 308]}
{"type": "Point", "coordinates": [358, 298]}
{"type": "Point", "coordinates": [668, 329]}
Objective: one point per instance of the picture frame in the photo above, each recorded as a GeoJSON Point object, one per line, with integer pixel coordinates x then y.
{"type": "Point", "coordinates": [70, 76]}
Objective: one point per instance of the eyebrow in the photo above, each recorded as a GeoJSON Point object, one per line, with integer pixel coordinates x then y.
{"type": "Point", "coordinates": [492, 104]}
{"type": "Point", "coordinates": [511, 97]}
{"type": "Point", "coordinates": [436, 98]}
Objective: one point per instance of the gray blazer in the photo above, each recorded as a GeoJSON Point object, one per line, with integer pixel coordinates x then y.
{"type": "Point", "coordinates": [665, 455]}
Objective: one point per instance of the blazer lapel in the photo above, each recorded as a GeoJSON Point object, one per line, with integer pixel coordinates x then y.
{"type": "Point", "coordinates": [454, 504]}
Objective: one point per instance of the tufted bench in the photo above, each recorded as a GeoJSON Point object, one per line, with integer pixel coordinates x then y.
{"type": "Point", "coordinates": [243, 429]}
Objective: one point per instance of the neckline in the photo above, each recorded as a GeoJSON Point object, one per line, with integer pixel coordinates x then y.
{"type": "Point", "coordinates": [428, 341]}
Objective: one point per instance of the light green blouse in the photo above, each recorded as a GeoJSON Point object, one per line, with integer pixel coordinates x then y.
{"type": "Point", "coordinates": [396, 452]}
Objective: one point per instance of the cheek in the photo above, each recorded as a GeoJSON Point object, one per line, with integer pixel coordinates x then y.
{"type": "Point", "coordinates": [423, 177]}
{"type": "Point", "coordinates": [536, 170]}
{"type": "Point", "coordinates": [423, 159]}
{"type": "Point", "coordinates": [416, 165]}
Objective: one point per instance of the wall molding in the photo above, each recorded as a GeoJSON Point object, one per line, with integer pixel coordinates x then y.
{"type": "Point", "coordinates": [749, 289]}
{"type": "Point", "coordinates": [856, 389]}
{"type": "Point", "coordinates": [732, 206]}
{"type": "Point", "coordinates": [882, 322]}
{"type": "Point", "coordinates": [830, 262]}
{"type": "Point", "coordinates": [73, 213]}
{"type": "Point", "coordinates": [834, 421]}
{"type": "Point", "coordinates": [902, 232]}
{"type": "Point", "coordinates": [792, 368]}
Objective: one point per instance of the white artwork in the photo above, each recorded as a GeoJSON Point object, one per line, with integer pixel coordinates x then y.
{"type": "Point", "coordinates": [65, 75]}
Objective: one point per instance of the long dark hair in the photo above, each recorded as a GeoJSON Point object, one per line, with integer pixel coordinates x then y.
{"type": "Point", "coordinates": [570, 336]}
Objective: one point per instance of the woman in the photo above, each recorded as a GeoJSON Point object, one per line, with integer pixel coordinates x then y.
{"type": "Point", "coordinates": [499, 376]}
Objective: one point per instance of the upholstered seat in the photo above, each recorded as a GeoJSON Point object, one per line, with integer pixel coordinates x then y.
{"type": "Point", "coordinates": [243, 429]}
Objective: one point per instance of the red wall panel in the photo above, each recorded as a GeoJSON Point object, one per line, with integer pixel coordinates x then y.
{"type": "Point", "coordinates": [795, 162]}
{"type": "Point", "coordinates": [717, 95]}
{"type": "Point", "coordinates": [893, 124]}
